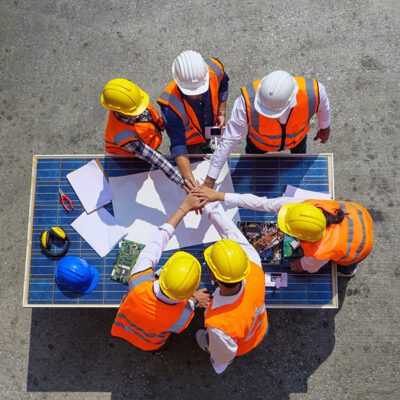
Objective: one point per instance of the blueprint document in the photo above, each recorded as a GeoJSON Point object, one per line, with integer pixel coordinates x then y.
{"type": "Point", "coordinates": [144, 201]}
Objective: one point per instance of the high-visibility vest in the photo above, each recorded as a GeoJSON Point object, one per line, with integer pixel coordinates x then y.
{"type": "Point", "coordinates": [144, 320]}
{"type": "Point", "coordinates": [172, 98]}
{"type": "Point", "coordinates": [245, 320]}
{"type": "Point", "coordinates": [118, 133]}
{"type": "Point", "coordinates": [268, 134]}
{"type": "Point", "coordinates": [346, 243]}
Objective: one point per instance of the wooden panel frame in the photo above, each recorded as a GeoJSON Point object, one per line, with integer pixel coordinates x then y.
{"type": "Point", "coordinates": [25, 301]}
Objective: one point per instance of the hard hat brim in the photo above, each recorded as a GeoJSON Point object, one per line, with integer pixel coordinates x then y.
{"type": "Point", "coordinates": [139, 110]}
{"type": "Point", "coordinates": [95, 280]}
{"type": "Point", "coordinates": [195, 92]}
{"type": "Point", "coordinates": [270, 113]}
{"type": "Point", "coordinates": [282, 225]}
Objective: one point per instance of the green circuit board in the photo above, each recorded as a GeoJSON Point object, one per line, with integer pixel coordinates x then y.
{"type": "Point", "coordinates": [127, 257]}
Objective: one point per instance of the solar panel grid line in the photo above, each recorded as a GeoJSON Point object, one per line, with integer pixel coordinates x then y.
{"type": "Point", "coordinates": [126, 167]}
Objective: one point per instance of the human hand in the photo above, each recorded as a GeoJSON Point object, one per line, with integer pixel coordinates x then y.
{"type": "Point", "coordinates": [203, 298]}
{"type": "Point", "coordinates": [192, 203]}
{"type": "Point", "coordinates": [323, 135]}
{"type": "Point", "coordinates": [190, 184]}
{"type": "Point", "coordinates": [221, 120]}
{"type": "Point", "coordinates": [295, 265]}
{"type": "Point", "coordinates": [207, 194]}
{"type": "Point", "coordinates": [208, 182]}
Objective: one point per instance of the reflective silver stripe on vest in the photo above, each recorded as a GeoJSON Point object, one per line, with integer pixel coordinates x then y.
{"type": "Point", "coordinates": [129, 330]}
{"type": "Point", "coordinates": [351, 232]}
{"type": "Point", "coordinates": [215, 68]}
{"type": "Point", "coordinates": [254, 116]}
{"type": "Point", "coordinates": [253, 328]}
{"type": "Point", "coordinates": [312, 101]}
{"type": "Point", "coordinates": [364, 236]}
{"type": "Point", "coordinates": [256, 138]}
{"type": "Point", "coordinates": [140, 279]}
{"type": "Point", "coordinates": [123, 135]}
{"type": "Point", "coordinates": [183, 319]}
{"type": "Point", "coordinates": [177, 103]}
{"type": "Point", "coordinates": [150, 335]}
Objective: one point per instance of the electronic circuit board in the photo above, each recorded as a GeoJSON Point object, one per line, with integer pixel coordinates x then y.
{"type": "Point", "coordinates": [127, 256]}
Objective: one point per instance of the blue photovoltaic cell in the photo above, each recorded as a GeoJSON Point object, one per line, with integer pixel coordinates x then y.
{"type": "Point", "coordinates": [261, 176]}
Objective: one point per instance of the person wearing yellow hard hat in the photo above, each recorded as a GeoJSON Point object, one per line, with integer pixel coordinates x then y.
{"type": "Point", "coordinates": [235, 320]}
{"type": "Point", "coordinates": [134, 126]}
{"type": "Point", "coordinates": [328, 230]}
{"type": "Point", "coordinates": [155, 308]}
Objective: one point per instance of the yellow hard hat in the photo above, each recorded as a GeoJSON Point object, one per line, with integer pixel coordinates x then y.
{"type": "Point", "coordinates": [123, 96]}
{"type": "Point", "coordinates": [228, 261]}
{"type": "Point", "coordinates": [180, 276]}
{"type": "Point", "coordinates": [303, 221]}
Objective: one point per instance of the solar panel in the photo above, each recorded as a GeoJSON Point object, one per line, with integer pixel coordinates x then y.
{"type": "Point", "coordinates": [264, 175]}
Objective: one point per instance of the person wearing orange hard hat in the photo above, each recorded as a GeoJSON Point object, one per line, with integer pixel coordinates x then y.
{"type": "Point", "coordinates": [328, 230]}
{"type": "Point", "coordinates": [134, 126]}
{"type": "Point", "coordinates": [236, 319]}
{"type": "Point", "coordinates": [155, 308]}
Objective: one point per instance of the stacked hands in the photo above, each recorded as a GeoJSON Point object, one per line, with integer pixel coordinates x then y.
{"type": "Point", "coordinates": [199, 195]}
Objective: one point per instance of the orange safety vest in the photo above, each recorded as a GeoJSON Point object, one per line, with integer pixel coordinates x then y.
{"type": "Point", "coordinates": [268, 134]}
{"type": "Point", "coordinates": [346, 243]}
{"type": "Point", "coordinates": [246, 319]}
{"type": "Point", "coordinates": [118, 133]}
{"type": "Point", "coordinates": [144, 320]}
{"type": "Point", "coordinates": [172, 98]}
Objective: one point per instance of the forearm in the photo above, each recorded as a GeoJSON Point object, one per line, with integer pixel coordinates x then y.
{"type": "Point", "coordinates": [151, 253]}
{"type": "Point", "coordinates": [183, 164]}
{"type": "Point", "coordinates": [323, 114]}
{"type": "Point", "coordinates": [222, 108]}
{"type": "Point", "coordinates": [236, 129]}
{"type": "Point", "coordinates": [160, 162]}
{"type": "Point", "coordinates": [177, 216]}
{"type": "Point", "coordinates": [256, 203]}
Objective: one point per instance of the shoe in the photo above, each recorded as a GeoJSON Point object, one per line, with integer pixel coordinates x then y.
{"type": "Point", "coordinates": [344, 275]}
{"type": "Point", "coordinates": [201, 339]}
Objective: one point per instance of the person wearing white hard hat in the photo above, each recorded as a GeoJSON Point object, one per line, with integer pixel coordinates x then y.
{"type": "Point", "coordinates": [274, 115]}
{"type": "Point", "coordinates": [194, 100]}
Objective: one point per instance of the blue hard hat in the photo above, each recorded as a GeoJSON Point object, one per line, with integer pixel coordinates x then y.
{"type": "Point", "coordinates": [76, 274]}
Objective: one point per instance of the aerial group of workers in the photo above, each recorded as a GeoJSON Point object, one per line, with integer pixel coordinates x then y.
{"type": "Point", "coordinates": [273, 114]}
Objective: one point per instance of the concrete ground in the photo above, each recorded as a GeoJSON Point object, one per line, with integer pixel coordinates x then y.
{"type": "Point", "coordinates": [55, 56]}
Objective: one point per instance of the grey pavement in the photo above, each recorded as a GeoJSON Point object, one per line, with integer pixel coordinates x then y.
{"type": "Point", "coordinates": [55, 56]}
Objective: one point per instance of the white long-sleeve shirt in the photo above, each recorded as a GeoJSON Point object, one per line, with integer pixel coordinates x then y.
{"type": "Point", "coordinates": [252, 202]}
{"type": "Point", "coordinates": [222, 347]}
{"type": "Point", "coordinates": [151, 254]}
{"type": "Point", "coordinates": [237, 129]}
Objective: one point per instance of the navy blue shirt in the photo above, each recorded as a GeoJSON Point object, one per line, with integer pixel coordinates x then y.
{"type": "Point", "coordinates": [203, 110]}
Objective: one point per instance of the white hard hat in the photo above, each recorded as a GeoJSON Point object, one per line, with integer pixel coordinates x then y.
{"type": "Point", "coordinates": [191, 73]}
{"type": "Point", "coordinates": [275, 94]}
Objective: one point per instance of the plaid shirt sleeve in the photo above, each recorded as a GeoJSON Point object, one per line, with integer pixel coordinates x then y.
{"type": "Point", "coordinates": [146, 153]}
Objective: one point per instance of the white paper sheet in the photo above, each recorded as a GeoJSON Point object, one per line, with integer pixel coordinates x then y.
{"type": "Point", "coordinates": [100, 230]}
{"type": "Point", "coordinates": [91, 186]}
{"type": "Point", "coordinates": [292, 191]}
{"type": "Point", "coordinates": [144, 201]}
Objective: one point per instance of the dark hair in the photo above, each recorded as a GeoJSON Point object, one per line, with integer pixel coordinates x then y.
{"type": "Point", "coordinates": [334, 218]}
{"type": "Point", "coordinates": [229, 285]}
